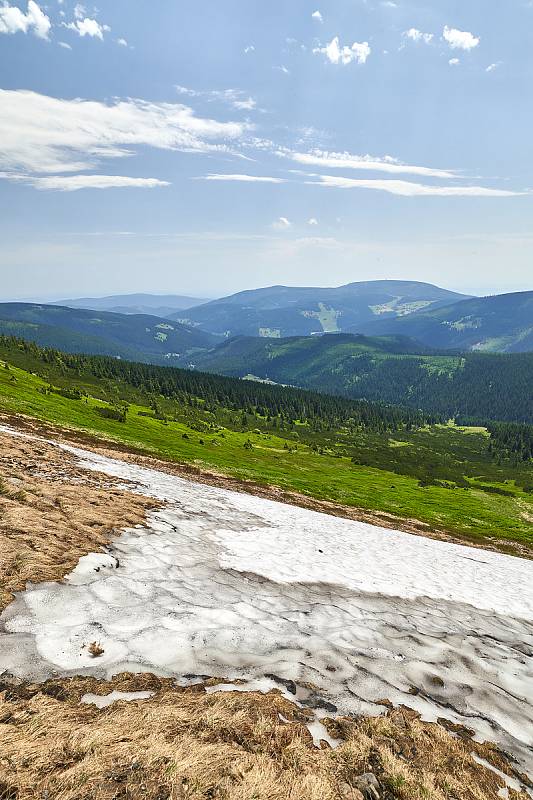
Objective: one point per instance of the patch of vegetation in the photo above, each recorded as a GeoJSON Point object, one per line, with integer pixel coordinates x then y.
{"type": "Point", "coordinates": [358, 454]}
{"type": "Point", "coordinates": [468, 387]}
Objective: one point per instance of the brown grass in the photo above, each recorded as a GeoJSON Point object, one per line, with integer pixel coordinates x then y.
{"type": "Point", "coordinates": [52, 513]}
{"type": "Point", "coordinates": [184, 743]}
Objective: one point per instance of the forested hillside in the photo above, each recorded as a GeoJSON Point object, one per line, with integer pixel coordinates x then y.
{"type": "Point", "coordinates": [384, 459]}
{"type": "Point", "coordinates": [502, 323]}
{"type": "Point", "coordinates": [464, 386]}
{"type": "Point", "coordinates": [140, 337]}
{"type": "Point", "coordinates": [213, 390]}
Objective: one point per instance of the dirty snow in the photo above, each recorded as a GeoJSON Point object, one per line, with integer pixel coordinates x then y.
{"type": "Point", "coordinates": [227, 584]}
{"type": "Point", "coordinates": [105, 700]}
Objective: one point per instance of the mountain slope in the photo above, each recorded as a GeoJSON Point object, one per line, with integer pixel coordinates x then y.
{"type": "Point", "coordinates": [140, 336]}
{"type": "Point", "coordinates": [279, 311]}
{"type": "Point", "coordinates": [389, 369]}
{"type": "Point", "coordinates": [503, 323]}
{"type": "Point", "coordinates": [160, 305]}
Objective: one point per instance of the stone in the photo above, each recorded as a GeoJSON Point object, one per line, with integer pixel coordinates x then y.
{"type": "Point", "coordinates": [348, 792]}
{"type": "Point", "coordinates": [368, 785]}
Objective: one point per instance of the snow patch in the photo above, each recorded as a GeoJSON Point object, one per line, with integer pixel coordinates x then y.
{"type": "Point", "coordinates": [103, 701]}
{"type": "Point", "coordinates": [227, 584]}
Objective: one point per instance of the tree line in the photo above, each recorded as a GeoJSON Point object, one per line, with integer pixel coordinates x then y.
{"type": "Point", "coordinates": [212, 390]}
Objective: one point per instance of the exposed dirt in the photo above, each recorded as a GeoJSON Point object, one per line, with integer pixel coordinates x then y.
{"type": "Point", "coordinates": [117, 450]}
{"type": "Point", "coordinates": [52, 513]}
{"type": "Point", "coordinates": [184, 743]}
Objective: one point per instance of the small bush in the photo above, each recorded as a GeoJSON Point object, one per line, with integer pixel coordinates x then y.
{"type": "Point", "coordinates": [117, 414]}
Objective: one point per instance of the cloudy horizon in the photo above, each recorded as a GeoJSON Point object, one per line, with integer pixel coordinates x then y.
{"type": "Point", "coordinates": [143, 150]}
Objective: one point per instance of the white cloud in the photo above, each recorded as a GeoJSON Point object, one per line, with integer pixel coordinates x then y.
{"type": "Point", "coordinates": [358, 52]}
{"type": "Point", "coordinates": [418, 36]}
{"type": "Point", "coordinates": [13, 20]}
{"type": "Point", "coordinates": [312, 221]}
{"type": "Point", "coordinates": [283, 69]}
{"type": "Point", "coordinates": [453, 62]}
{"type": "Point", "coordinates": [79, 11]}
{"type": "Point", "coordinates": [249, 48]}
{"type": "Point", "coordinates": [460, 40]}
{"type": "Point", "coordinates": [122, 42]}
{"type": "Point", "coordinates": [233, 97]}
{"type": "Point", "coordinates": [492, 67]}
{"type": "Point", "coordinates": [47, 134]}
{"type": "Point", "coordinates": [323, 158]}
{"type": "Point", "coordinates": [88, 27]}
{"type": "Point", "coordinates": [282, 224]}
{"type": "Point", "coordinates": [72, 183]}
{"type": "Point", "coordinates": [215, 176]}
{"type": "Point", "coordinates": [65, 46]}
{"type": "Point", "coordinates": [408, 189]}
{"type": "Point", "coordinates": [318, 16]}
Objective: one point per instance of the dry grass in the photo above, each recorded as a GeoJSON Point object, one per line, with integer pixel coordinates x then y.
{"type": "Point", "coordinates": [52, 513]}
{"type": "Point", "coordinates": [184, 743]}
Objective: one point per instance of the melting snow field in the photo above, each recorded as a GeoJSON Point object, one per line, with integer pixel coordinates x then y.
{"type": "Point", "coordinates": [226, 584]}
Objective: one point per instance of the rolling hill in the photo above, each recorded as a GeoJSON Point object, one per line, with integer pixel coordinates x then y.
{"type": "Point", "coordinates": [502, 323]}
{"type": "Point", "coordinates": [137, 336]}
{"type": "Point", "coordinates": [280, 311]}
{"type": "Point", "coordinates": [159, 305]}
{"type": "Point", "coordinates": [390, 369]}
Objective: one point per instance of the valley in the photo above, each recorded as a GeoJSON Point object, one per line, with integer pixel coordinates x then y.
{"type": "Point", "coordinates": [400, 464]}
{"type": "Point", "coordinates": [469, 387]}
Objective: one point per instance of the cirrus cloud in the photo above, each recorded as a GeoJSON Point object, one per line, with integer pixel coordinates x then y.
{"type": "Point", "coordinates": [73, 183]}
{"type": "Point", "coordinates": [46, 134]}
{"type": "Point", "coordinates": [411, 189]}
{"type": "Point", "coordinates": [239, 177]}
{"type": "Point", "coordinates": [323, 158]}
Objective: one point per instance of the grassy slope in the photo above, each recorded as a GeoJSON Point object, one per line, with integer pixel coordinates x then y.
{"type": "Point", "coordinates": [449, 453]}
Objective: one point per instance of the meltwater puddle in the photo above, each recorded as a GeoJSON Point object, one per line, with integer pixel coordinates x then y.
{"type": "Point", "coordinates": [230, 585]}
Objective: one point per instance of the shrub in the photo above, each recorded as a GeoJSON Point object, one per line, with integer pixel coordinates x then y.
{"type": "Point", "coordinates": [118, 414]}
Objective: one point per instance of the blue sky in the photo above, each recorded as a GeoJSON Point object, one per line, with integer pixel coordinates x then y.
{"type": "Point", "coordinates": [213, 146]}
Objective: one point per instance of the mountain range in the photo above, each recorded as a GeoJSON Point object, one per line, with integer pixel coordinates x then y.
{"type": "Point", "coordinates": [159, 305]}
{"type": "Point", "coordinates": [415, 318]}
{"type": "Point", "coordinates": [280, 311]}
{"type": "Point", "coordinates": [502, 323]}
{"type": "Point", "coordinates": [137, 337]}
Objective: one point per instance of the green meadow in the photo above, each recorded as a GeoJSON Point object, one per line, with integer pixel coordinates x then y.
{"type": "Point", "coordinates": [441, 475]}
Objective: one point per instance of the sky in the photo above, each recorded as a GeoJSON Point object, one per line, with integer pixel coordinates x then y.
{"type": "Point", "coordinates": [209, 147]}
